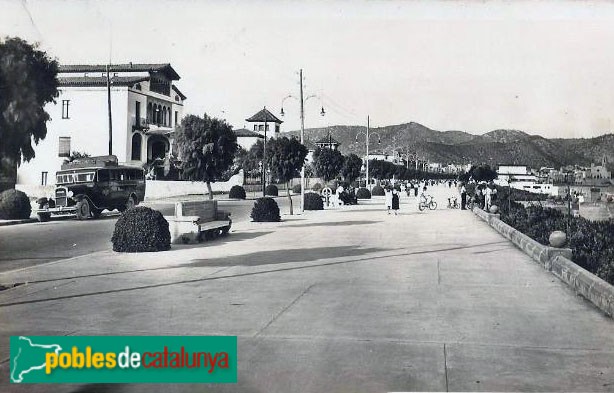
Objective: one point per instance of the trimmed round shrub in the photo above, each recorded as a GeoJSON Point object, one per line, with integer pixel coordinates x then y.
{"type": "Point", "coordinates": [14, 205]}
{"type": "Point", "coordinates": [363, 193]}
{"type": "Point", "coordinates": [377, 191]}
{"type": "Point", "coordinates": [237, 192]}
{"type": "Point", "coordinates": [141, 229]}
{"type": "Point", "coordinates": [316, 187]}
{"type": "Point", "coordinates": [296, 189]}
{"type": "Point", "coordinates": [271, 190]}
{"type": "Point", "coordinates": [265, 210]}
{"type": "Point", "coordinates": [313, 201]}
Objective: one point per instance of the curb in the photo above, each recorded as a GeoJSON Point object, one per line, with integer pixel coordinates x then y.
{"type": "Point", "coordinates": [4, 223]}
{"type": "Point", "coordinates": [558, 262]}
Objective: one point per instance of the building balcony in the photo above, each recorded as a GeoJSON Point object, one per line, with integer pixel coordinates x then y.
{"type": "Point", "coordinates": [139, 124]}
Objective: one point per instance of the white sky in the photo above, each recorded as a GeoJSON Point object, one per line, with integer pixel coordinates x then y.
{"type": "Point", "coordinates": [542, 67]}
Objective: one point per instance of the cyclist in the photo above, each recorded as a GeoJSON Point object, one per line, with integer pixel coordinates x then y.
{"type": "Point", "coordinates": [423, 196]}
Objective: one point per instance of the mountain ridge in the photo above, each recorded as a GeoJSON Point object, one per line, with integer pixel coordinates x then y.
{"type": "Point", "coordinates": [495, 147]}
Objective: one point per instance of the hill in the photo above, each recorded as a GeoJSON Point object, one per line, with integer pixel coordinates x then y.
{"type": "Point", "coordinates": [493, 148]}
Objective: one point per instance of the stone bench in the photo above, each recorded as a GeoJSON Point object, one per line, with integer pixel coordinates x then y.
{"type": "Point", "coordinates": [191, 221]}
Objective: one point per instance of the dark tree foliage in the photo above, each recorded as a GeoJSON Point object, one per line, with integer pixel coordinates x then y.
{"type": "Point", "coordinates": [141, 229]}
{"type": "Point", "coordinates": [480, 173]}
{"type": "Point", "coordinates": [327, 163]}
{"type": "Point", "coordinates": [28, 81]}
{"type": "Point", "coordinates": [285, 158]}
{"type": "Point", "coordinates": [207, 147]}
{"type": "Point", "coordinates": [351, 168]}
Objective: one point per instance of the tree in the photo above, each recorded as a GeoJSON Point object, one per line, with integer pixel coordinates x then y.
{"type": "Point", "coordinates": [28, 81]}
{"type": "Point", "coordinates": [351, 168]}
{"type": "Point", "coordinates": [327, 163]}
{"type": "Point", "coordinates": [255, 156]}
{"type": "Point", "coordinates": [285, 158]}
{"type": "Point", "coordinates": [482, 173]}
{"type": "Point", "coordinates": [207, 147]}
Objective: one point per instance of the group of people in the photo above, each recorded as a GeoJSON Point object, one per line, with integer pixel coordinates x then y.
{"type": "Point", "coordinates": [392, 195]}
{"type": "Point", "coordinates": [485, 195]}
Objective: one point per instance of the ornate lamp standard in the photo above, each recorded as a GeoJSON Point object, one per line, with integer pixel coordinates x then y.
{"type": "Point", "coordinates": [302, 101]}
{"type": "Point", "coordinates": [379, 141]}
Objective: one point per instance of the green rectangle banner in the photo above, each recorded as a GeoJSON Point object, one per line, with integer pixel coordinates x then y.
{"type": "Point", "coordinates": [123, 359]}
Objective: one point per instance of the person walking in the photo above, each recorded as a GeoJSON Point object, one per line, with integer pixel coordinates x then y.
{"type": "Point", "coordinates": [395, 201]}
{"type": "Point", "coordinates": [388, 195]}
{"type": "Point", "coordinates": [463, 192]}
{"type": "Point", "coordinates": [493, 193]}
{"type": "Point", "coordinates": [487, 195]}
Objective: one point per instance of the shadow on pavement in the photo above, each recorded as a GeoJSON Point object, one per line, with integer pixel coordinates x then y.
{"type": "Point", "coordinates": [231, 237]}
{"type": "Point", "coordinates": [276, 257]}
{"type": "Point", "coordinates": [332, 223]}
{"type": "Point", "coordinates": [212, 277]}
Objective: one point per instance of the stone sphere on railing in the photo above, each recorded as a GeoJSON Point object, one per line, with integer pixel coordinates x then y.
{"type": "Point", "coordinates": [557, 239]}
{"type": "Point", "coordinates": [494, 209]}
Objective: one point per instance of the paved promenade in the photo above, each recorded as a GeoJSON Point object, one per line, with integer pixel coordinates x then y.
{"type": "Point", "coordinates": [347, 300]}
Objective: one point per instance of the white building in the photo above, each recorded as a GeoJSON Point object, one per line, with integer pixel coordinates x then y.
{"type": "Point", "coordinates": [263, 123]}
{"type": "Point", "coordinates": [145, 108]}
{"type": "Point", "coordinates": [507, 174]}
{"type": "Point", "coordinates": [247, 138]}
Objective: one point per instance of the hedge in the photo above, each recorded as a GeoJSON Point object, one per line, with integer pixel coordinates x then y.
{"type": "Point", "coordinates": [377, 191]}
{"type": "Point", "coordinates": [14, 205]}
{"type": "Point", "coordinates": [265, 210]}
{"type": "Point", "coordinates": [363, 193]}
{"type": "Point", "coordinates": [237, 192]}
{"type": "Point", "coordinates": [141, 229]}
{"type": "Point", "coordinates": [313, 201]}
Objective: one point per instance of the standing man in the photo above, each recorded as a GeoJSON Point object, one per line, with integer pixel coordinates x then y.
{"type": "Point", "coordinates": [463, 192]}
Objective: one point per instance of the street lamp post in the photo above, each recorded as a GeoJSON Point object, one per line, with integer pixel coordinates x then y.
{"type": "Point", "coordinates": [379, 140]}
{"type": "Point", "coordinates": [264, 156]}
{"type": "Point", "coordinates": [302, 101]}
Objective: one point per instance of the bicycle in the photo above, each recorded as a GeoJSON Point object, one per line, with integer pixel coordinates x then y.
{"type": "Point", "coordinates": [453, 203]}
{"type": "Point", "coordinates": [429, 202]}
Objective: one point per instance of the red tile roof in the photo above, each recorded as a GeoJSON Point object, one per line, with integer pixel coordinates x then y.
{"type": "Point", "coordinates": [87, 81]}
{"type": "Point", "coordinates": [262, 115]}
{"type": "Point", "coordinates": [83, 68]}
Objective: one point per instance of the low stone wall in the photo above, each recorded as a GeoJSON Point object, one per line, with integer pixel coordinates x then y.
{"type": "Point", "coordinates": [156, 189]}
{"type": "Point", "coordinates": [558, 261]}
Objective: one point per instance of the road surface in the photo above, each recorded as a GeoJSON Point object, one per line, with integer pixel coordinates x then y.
{"type": "Point", "coordinates": [31, 244]}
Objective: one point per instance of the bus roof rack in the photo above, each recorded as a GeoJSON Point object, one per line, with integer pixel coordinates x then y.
{"type": "Point", "coordinates": [87, 162]}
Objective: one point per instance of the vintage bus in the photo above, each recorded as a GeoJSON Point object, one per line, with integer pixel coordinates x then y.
{"type": "Point", "coordinates": [87, 186]}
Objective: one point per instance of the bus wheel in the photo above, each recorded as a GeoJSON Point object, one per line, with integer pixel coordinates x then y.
{"type": "Point", "coordinates": [83, 209]}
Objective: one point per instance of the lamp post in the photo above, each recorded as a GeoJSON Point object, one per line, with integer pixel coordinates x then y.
{"type": "Point", "coordinates": [302, 101]}
{"type": "Point", "coordinates": [379, 141]}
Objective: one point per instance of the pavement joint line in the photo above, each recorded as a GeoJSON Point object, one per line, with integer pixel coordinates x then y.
{"type": "Point", "coordinates": [50, 263]}
{"type": "Point", "coordinates": [40, 290]}
{"type": "Point", "coordinates": [428, 342]}
{"type": "Point", "coordinates": [445, 366]}
{"type": "Point", "coordinates": [284, 310]}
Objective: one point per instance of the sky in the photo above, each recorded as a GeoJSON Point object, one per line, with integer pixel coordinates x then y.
{"type": "Point", "coordinates": [543, 67]}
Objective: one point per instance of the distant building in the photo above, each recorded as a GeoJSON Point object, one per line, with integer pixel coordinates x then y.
{"type": "Point", "coordinates": [247, 138]}
{"type": "Point", "coordinates": [263, 122]}
{"type": "Point", "coordinates": [145, 105]}
{"type": "Point", "coordinates": [514, 173]}
{"type": "Point", "coordinates": [600, 171]}
{"type": "Point", "coordinates": [328, 142]}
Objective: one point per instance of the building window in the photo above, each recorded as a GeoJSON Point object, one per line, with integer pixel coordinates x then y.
{"type": "Point", "coordinates": [136, 147]}
{"type": "Point", "coordinates": [176, 117]}
{"type": "Point", "coordinates": [44, 178]}
{"type": "Point", "coordinates": [137, 113]}
{"type": "Point", "coordinates": [64, 147]}
{"type": "Point", "coordinates": [65, 104]}
{"type": "Point", "coordinates": [276, 127]}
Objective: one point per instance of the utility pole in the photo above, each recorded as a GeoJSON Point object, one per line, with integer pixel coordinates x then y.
{"type": "Point", "coordinates": [109, 110]}
{"type": "Point", "coordinates": [368, 126]}
{"type": "Point", "coordinates": [302, 141]}
{"type": "Point", "coordinates": [264, 157]}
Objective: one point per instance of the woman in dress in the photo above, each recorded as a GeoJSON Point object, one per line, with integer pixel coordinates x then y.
{"type": "Point", "coordinates": [388, 194]}
{"type": "Point", "coordinates": [395, 201]}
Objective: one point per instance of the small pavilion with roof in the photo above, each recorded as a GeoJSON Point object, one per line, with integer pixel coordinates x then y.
{"type": "Point", "coordinates": [262, 121]}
